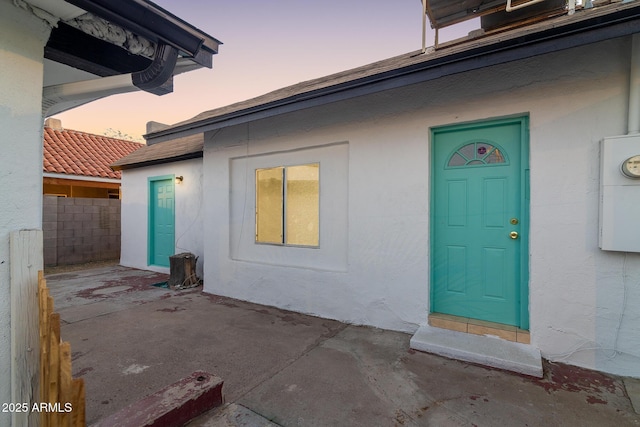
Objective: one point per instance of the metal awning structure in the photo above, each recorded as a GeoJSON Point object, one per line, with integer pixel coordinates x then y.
{"type": "Point", "coordinates": [443, 13]}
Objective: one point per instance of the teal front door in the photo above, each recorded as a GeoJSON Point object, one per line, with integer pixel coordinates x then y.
{"type": "Point", "coordinates": [161, 220]}
{"type": "Point", "coordinates": [480, 221]}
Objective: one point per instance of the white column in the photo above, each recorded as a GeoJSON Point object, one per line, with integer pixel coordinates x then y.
{"type": "Point", "coordinates": [22, 40]}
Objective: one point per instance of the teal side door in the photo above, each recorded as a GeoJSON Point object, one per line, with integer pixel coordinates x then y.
{"type": "Point", "coordinates": [161, 220]}
{"type": "Point", "coordinates": [480, 221]}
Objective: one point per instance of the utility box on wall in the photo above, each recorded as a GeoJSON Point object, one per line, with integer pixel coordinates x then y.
{"type": "Point", "coordinates": [620, 194]}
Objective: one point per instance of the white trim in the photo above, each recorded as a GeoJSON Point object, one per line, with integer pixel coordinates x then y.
{"type": "Point", "coordinates": [80, 177]}
{"type": "Point", "coordinates": [83, 92]}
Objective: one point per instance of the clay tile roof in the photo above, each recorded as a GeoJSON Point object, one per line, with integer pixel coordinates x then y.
{"type": "Point", "coordinates": [78, 153]}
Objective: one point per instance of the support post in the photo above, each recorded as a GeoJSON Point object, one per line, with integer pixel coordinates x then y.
{"type": "Point", "coordinates": [25, 248]}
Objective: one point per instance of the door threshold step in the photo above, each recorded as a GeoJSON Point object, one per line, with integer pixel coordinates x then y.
{"type": "Point", "coordinates": [484, 350]}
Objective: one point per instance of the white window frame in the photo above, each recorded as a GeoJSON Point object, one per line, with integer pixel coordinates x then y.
{"type": "Point", "coordinates": [283, 236]}
{"type": "Point", "coordinates": [334, 208]}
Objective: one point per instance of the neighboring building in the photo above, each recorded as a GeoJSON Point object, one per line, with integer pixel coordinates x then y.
{"type": "Point", "coordinates": [57, 55]}
{"type": "Point", "coordinates": [179, 220]}
{"type": "Point", "coordinates": [462, 189]}
{"type": "Point", "coordinates": [77, 164]}
{"type": "Point", "coordinates": [78, 226]}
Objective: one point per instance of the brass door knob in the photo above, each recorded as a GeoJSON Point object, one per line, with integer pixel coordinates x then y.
{"type": "Point", "coordinates": [513, 235]}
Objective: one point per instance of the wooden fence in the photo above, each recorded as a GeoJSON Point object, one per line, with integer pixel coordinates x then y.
{"type": "Point", "coordinates": [61, 396]}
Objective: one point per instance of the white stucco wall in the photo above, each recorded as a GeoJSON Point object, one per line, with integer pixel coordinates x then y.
{"type": "Point", "coordinates": [584, 302]}
{"type": "Point", "coordinates": [382, 248]}
{"type": "Point", "coordinates": [22, 38]}
{"type": "Point", "coordinates": [188, 212]}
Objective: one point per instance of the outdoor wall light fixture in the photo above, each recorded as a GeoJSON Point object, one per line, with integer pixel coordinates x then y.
{"type": "Point", "coordinates": [179, 179]}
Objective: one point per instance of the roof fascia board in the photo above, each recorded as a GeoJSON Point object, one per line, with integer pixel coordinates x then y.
{"type": "Point", "coordinates": [188, 156]}
{"type": "Point", "coordinates": [150, 20]}
{"type": "Point", "coordinates": [80, 177]}
{"type": "Point", "coordinates": [581, 33]}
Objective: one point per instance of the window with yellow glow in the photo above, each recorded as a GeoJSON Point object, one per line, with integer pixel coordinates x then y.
{"type": "Point", "coordinates": [288, 205]}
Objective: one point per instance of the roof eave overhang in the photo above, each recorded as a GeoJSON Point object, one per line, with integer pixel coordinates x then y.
{"type": "Point", "coordinates": [598, 27]}
{"type": "Point", "coordinates": [157, 24]}
{"type": "Point", "coordinates": [177, 42]}
{"type": "Point", "coordinates": [133, 165]}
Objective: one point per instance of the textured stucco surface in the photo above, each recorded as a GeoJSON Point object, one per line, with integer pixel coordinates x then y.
{"type": "Point", "coordinates": [22, 38]}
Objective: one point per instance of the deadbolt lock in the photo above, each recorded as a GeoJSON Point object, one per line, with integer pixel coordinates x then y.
{"type": "Point", "coordinates": [514, 221]}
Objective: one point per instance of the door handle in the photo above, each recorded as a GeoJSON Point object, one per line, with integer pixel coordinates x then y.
{"type": "Point", "coordinates": [513, 235]}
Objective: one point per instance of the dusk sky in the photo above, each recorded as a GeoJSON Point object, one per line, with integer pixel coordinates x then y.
{"type": "Point", "coordinates": [268, 44]}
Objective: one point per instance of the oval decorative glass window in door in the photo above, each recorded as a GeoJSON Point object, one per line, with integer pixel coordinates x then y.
{"type": "Point", "coordinates": [477, 153]}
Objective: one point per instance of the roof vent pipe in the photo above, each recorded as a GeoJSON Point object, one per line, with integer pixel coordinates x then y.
{"type": "Point", "coordinates": [424, 26]}
{"type": "Point", "coordinates": [633, 124]}
{"type": "Point", "coordinates": [520, 6]}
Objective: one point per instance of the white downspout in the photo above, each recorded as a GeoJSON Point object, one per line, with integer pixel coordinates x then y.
{"type": "Point", "coordinates": [633, 124]}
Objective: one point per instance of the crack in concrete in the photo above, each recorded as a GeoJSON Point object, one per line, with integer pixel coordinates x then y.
{"type": "Point", "coordinates": [317, 342]}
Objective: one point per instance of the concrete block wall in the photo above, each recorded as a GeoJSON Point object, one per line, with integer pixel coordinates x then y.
{"type": "Point", "coordinates": [50, 229]}
{"type": "Point", "coordinates": [78, 230]}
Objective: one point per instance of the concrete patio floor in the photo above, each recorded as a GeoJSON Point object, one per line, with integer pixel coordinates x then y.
{"type": "Point", "coordinates": [130, 339]}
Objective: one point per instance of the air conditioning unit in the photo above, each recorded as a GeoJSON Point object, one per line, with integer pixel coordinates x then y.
{"type": "Point", "coordinates": [182, 271]}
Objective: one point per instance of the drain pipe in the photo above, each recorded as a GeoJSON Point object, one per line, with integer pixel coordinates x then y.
{"type": "Point", "coordinates": [633, 123]}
